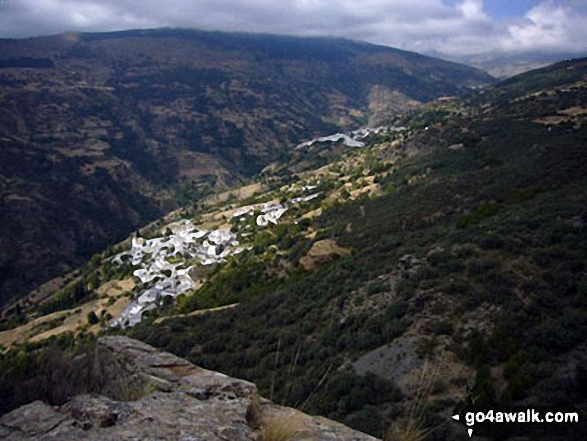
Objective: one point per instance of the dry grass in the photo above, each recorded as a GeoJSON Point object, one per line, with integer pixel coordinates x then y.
{"type": "Point", "coordinates": [278, 429]}
{"type": "Point", "coordinates": [74, 319]}
{"type": "Point", "coordinates": [412, 428]}
{"type": "Point", "coordinates": [199, 312]}
{"type": "Point", "coordinates": [271, 428]}
{"type": "Point", "coordinates": [408, 430]}
{"type": "Point", "coordinates": [321, 251]}
{"type": "Point", "coordinates": [254, 416]}
{"type": "Point", "coordinates": [238, 193]}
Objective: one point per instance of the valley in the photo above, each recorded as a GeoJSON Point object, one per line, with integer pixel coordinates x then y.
{"type": "Point", "coordinates": [448, 245]}
{"type": "Point", "coordinates": [103, 133]}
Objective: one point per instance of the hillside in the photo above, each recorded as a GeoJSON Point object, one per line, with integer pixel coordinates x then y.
{"type": "Point", "coordinates": [101, 133]}
{"type": "Point", "coordinates": [471, 260]}
{"type": "Point", "coordinates": [449, 246]}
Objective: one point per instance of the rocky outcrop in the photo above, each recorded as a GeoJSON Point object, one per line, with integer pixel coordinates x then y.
{"type": "Point", "coordinates": [168, 398]}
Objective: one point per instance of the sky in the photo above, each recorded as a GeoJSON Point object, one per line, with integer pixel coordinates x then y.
{"type": "Point", "coordinates": [451, 27]}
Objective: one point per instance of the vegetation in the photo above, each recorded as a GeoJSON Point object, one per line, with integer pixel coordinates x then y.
{"type": "Point", "coordinates": [493, 226]}
{"type": "Point", "coordinates": [475, 251]}
{"type": "Point", "coordinates": [182, 112]}
{"type": "Point", "coordinates": [62, 367]}
{"type": "Point", "coordinates": [275, 429]}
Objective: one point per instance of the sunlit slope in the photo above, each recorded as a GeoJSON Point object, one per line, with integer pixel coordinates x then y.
{"type": "Point", "coordinates": [102, 133]}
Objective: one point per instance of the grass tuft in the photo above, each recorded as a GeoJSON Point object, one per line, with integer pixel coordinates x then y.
{"type": "Point", "coordinates": [413, 427]}
{"type": "Point", "coordinates": [278, 429]}
{"type": "Point", "coordinates": [408, 430]}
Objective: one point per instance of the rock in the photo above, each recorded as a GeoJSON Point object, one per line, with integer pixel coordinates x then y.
{"type": "Point", "coordinates": [393, 362]}
{"type": "Point", "coordinates": [96, 411]}
{"type": "Point", "coordinates": [32, 421]}
{"type": "Point", "coordinates": [408, 263]}
{"type": "Point", "coordinates": [173, 400]}
{"type": "Point", "coordinates": [306, 427]}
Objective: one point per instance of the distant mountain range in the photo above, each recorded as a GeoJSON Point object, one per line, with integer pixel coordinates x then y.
{"type": "Point", "coordinates": [101, 133]}
{"type": "Point", "coordinates": [506, 65]}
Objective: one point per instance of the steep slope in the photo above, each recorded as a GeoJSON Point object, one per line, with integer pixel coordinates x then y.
{"type": "Point", "coordinates": [451, 247]}
{"type": "Point", "coordinates": [471, 264]}
{"type": "Point", "coordinates": [103, 132]}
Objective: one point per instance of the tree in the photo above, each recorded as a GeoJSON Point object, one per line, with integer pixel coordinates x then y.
{"type": "Point", "coordinates": [93, 318]}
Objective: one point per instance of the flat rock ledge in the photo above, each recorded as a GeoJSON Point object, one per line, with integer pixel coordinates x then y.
{"type": "Point", "coordinates": [168, 399]}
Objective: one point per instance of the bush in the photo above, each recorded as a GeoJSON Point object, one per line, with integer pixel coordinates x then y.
{"type": "Point", "coordinates": [375, 287]}
{"type": "Point", "coordinates": [93, 318]}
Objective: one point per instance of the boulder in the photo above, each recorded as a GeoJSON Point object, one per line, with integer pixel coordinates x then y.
{"type": "Point", "coordinates": [168, 398]}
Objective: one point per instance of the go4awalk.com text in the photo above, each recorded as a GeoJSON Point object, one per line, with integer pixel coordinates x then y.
{"type": "Point", "coordinates": [529, 421]}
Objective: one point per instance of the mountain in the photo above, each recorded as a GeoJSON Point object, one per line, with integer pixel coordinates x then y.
{"type": "Point", "coordinates": [383, 279]}
{"type": "Point", "coordinates": [101, 133]}
{"type": "Point", "coordinates": [507, 65]}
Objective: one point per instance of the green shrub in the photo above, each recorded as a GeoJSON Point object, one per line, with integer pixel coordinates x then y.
{"type": "Point", "coordinates": [93, 318]}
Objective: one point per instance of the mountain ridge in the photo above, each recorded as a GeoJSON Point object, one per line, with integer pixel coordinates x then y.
{"type": "Point", "coordinates": [102, 133]}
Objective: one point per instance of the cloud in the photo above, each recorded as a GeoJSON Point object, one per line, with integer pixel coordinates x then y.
{"type": "Point", "coordinates": [550, 27]}
{"type": "Point", "coordinates": [472, 9]}
{"type": "Point", "coordinates": [452, 27]}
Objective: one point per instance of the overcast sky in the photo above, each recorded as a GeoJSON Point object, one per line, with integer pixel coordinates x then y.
{"type": "Point", "coordinates": [452, 27]}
